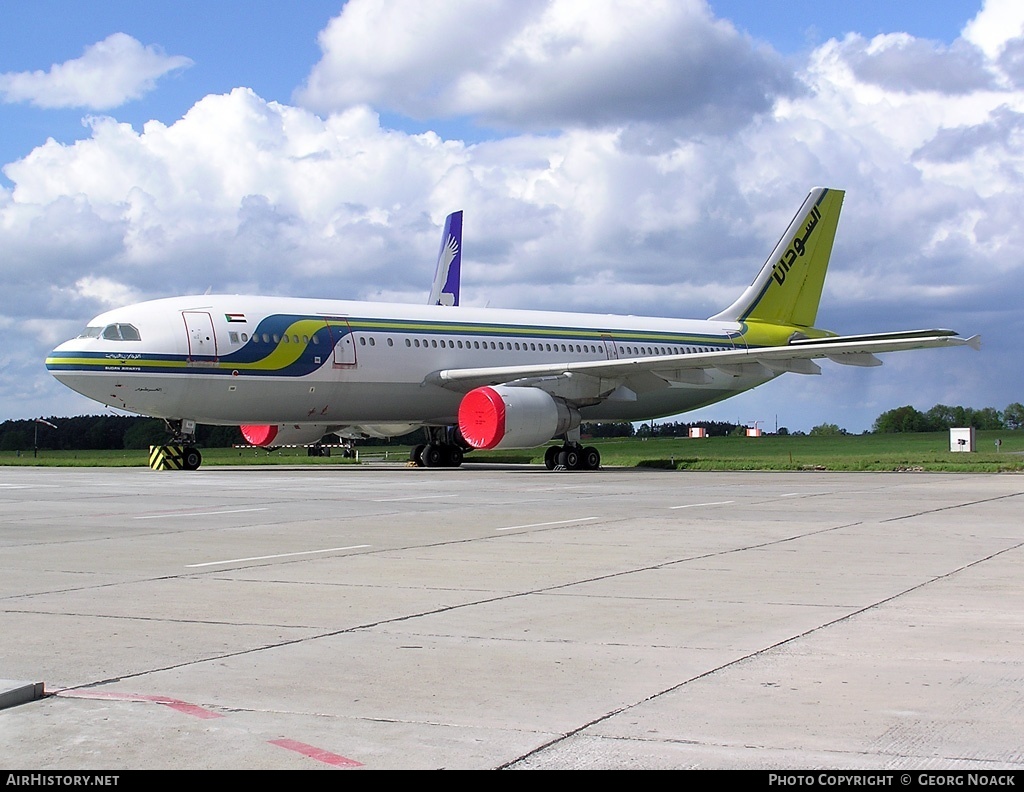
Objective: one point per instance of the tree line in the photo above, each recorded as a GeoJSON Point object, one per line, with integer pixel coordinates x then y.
{"type": "Point", "coordinates": [114, 432]}
{"type": "Point", "coordinates": [942, 417]}
{"type": "Point", "coordinates": [103, 432]}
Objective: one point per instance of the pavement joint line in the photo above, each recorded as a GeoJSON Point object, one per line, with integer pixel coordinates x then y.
{"type": "Point", "coordinates": [762, 651]}
{"type": "Point", "coordinates": [954, 506]}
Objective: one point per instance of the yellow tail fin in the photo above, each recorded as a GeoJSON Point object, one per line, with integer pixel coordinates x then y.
{"type": "Point", "coordinates": [787, 290]}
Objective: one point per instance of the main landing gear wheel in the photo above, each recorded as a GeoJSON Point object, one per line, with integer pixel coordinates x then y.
{"type": "Point", "coordinates": [444, 448]}
{"type": "Point", "coordinates": [432, 456]}
{"type": "Point", "coordinates": [191, 459]}
{"type": "Point", "coordinates": [571, 457]}
{"type": "Point", "coordinates": [439, 455]}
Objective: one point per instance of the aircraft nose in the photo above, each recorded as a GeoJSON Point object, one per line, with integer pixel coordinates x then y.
{"type": "Point", "coordinates": [61, 360]}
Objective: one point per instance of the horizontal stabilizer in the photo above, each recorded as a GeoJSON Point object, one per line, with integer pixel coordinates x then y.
{"type": "Point", "coordinates": [897, 335]}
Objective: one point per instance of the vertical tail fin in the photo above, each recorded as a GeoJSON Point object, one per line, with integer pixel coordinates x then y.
{"type": "Point", "coordinates": [447, 276]}
{"type": "Point", "coordinates": [787, 290]}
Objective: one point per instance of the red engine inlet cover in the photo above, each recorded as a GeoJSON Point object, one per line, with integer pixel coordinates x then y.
{"type": "Point", "coordinates": [482, 418]}
{"type": "Point", "coordinates": [259, 435]}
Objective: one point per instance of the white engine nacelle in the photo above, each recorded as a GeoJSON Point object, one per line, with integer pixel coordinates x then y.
{"type": "Point", "coordinates": [504, 417]}
{"type": "Point", "coordinates": [277, 435]}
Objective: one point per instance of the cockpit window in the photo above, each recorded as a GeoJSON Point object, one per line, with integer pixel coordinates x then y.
{"type": "Point", "coordinates": [113, 332]}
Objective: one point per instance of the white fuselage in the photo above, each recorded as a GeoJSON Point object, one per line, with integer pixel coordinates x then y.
{"type": "Point", "coordinates": [248, 360]}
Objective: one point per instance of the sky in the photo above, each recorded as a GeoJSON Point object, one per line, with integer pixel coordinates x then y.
{"type": "Point", "coordinates": [611, 156]}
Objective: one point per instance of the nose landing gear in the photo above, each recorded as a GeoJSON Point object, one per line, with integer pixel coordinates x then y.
{"type": "Point", "coordinates": [180, 453]}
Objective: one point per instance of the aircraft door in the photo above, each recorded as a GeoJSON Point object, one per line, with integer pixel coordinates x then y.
{"type": "Point", "coordinates": [344, 341]}
{"type": "Point", "coordinates": [735, 337]}
{"type": "Point", "coordinates": [610, 347]}
{"type": "Point", "coordinates": [202, 340]}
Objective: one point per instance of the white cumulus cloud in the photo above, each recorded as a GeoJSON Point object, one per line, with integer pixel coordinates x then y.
{"type": "Point", "coordinates": [542, 65]}
{"type": "Point", "coordinates": [109, 73]}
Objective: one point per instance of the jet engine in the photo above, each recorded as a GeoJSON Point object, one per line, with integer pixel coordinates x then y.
{"type": "Point", "coordinates": [277, 435]}
{"type": "Point", "coordinates": [508, 417]}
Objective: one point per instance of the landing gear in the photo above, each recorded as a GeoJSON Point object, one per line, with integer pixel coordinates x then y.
{"type": "Point", "coordinates": [572, 456]}
{"type": "Point", "coordinates": [191, 459]}
{"type": "Point", "coordinates": [183, 435]}
{"type": "Point", "coordinates": [443, 449]}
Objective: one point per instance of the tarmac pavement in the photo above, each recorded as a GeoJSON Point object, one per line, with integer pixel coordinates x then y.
{"type": "Point", "coordinates": [377, 616]}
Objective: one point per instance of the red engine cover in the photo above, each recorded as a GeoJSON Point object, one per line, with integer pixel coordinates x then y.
{"type": "Point", "coordinates": [482, 418]}
{"type": "Point", "coordinates": [259, 435]}
{"type": "Point", "coordinates": [277, 435]}
{"type": "Point", "coordinates": [511, 417]}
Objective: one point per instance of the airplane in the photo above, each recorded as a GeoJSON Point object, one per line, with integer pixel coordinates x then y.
{"type": "Point", "coordinates": [474, 378]}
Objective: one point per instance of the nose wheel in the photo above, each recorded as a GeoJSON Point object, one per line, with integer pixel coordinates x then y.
{"type": "Point", "coordinates": [191, 459]}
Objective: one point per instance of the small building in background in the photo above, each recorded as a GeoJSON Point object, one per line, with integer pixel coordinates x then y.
{"type": "Point", "coordinates": [753, 431]}
{"type": "Point", "coordinates": [962, 439]}
{"type": "Point", "coordinates": [698, 431]}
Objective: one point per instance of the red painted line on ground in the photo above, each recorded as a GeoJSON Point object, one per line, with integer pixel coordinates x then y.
{"type": "Point", "coordinates": [189, 709]}
{"type": "Point", "coordinates": [316, 753]}
{"type": "Point", "coordinates": [181, 706]}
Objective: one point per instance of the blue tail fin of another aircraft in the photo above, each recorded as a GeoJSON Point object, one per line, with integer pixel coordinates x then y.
{"type": "Point", "coordinates": [445, 289]}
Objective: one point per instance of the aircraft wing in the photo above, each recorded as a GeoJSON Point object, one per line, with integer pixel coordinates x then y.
{"type": "Point", "coordinates": [588, 382]}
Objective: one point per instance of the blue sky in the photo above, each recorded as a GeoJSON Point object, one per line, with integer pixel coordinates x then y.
{"type": "Point", "coordinates": [610, 156]}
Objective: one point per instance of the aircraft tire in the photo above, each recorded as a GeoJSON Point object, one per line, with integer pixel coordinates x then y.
{"type": "Point", "coordinates": [191, 459]}
{"type": "Point", "coordinates": [569, 458]}
{"type": "Point", "coordinates": [591, 458]}
{"type": "Point", "coordinates": [432, 456]}
{"type": "Point", "coordinates": [551, 457]}
{"type": "Point", "coordinates": [454, 456]}
{"type": "Point", "coordinates": [416, 455]}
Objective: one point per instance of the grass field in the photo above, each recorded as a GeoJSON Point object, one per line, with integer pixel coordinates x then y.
{"type": "Point", "coordinates": [888, 452]}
